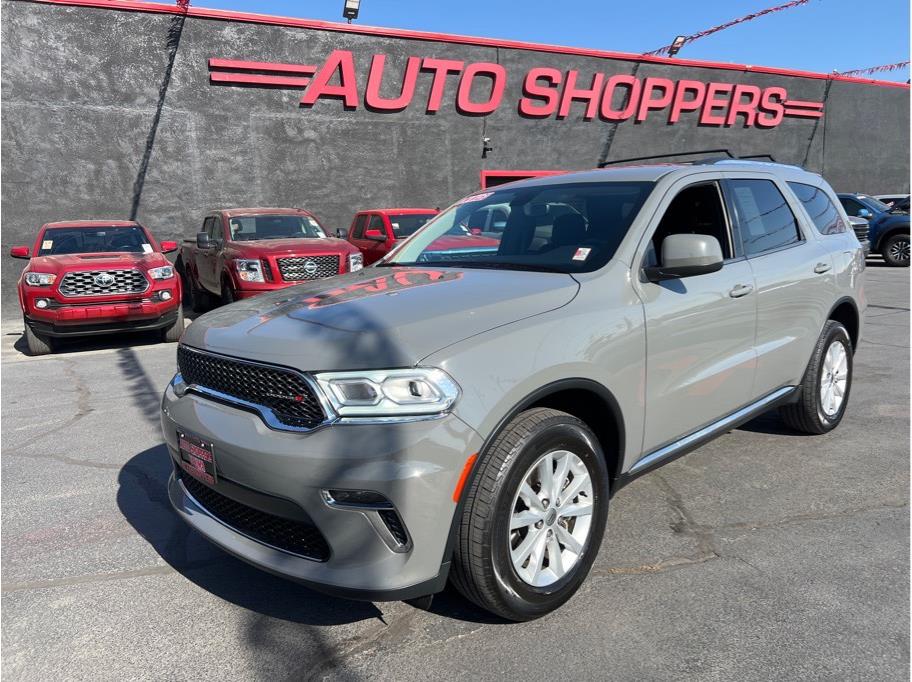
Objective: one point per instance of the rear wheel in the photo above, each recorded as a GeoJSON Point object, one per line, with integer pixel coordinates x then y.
{"type": "Point", "coordinates": [895, 250]}
{"type": "Point", "coordinates": [173, 333]}
{"type": "Point", "coordinates": [534, 516]}
{"type": "Point", "coordinates": [38, 344]}
{"type": "Point", "coordinates": [824, 391]}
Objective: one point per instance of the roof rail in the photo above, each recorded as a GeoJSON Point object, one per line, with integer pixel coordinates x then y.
{"type": "Point", "coordinates": [724, 155]}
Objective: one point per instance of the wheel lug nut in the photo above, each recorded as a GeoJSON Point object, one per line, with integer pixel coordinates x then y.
{"type": "Point", "coordinates": [546, 502]}
{"type": "Point", "coordinates": [539, 524]}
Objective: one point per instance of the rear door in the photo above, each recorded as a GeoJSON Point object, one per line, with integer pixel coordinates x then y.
{"type": "Point", "coordinates": [209, 258]}
{"type": "Point", "coordinates": [794, 274]}
{"type": "Point", "coordinates": [700, 330]}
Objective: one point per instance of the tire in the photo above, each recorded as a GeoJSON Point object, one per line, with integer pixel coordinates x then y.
{"type": "Point", "coordinates": [812, 412]}
{"type": "Point", "coordinates": [895, 250]}
{"type": "Point", "coordinates": [228, 296]}
{"type": "Point", "coordinates": [38, 344]}
{"type": "Point", "coordinates": [173, 333]}
{"type": "Point", "coordinates": [484, 570]}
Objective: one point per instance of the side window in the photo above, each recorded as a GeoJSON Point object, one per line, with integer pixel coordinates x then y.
{"type": "Point", "coordinates": [207, 226]}
{"type": "Point", "coordinates": [818, 205]}
{"type": "Point", "coordinates": [358, 230]}
{"type": "Point", "coordinates": [764, 219]}
{"type": "Point", "coordinates": [376, 223]}
{"type": "Point", "coordinates": [851, 206]}
{"type": "Point", "coordinates": [696, 209]}
{"type": "Point", "coordinates": [215, 228]}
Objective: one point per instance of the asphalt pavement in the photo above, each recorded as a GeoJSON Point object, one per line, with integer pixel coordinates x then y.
{"type": "Point", "coordinates": [763, 555]}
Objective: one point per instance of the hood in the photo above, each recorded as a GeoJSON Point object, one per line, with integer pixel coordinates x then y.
{"type": "Point", "coordinates": [377, 317]}
{"type": "Point", "coordinates": [96, 261]}
{"type": "Point", "coordinates": [886, 219]}
{"type": "Point", "coordinates": [294, 245]}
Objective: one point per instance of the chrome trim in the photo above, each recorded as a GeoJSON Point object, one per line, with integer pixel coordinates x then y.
{"type": "Point", "coordinates": [212, 516]}
{"type": "Point", "coordinates": [720, 425]}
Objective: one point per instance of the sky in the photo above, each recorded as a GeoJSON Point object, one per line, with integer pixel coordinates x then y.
{"type": "Point", "coordinates": [823, 35]}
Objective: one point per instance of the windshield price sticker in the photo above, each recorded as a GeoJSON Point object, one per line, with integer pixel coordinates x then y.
{"type": "Point", "coordinates": [473, 198]}
{"type": "Point", "coordinates": [47, 244]}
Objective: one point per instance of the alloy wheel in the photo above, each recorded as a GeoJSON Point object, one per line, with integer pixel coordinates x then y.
{"type": "Point", "coordinates": [834, 378]}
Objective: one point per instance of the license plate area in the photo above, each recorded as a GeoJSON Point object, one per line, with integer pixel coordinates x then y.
{"type": "Point", "coordinates": [197, 457]}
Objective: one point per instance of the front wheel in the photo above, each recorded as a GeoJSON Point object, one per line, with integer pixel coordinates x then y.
{"type": "Point", "coordinates": [173, 333]}
{"type": "Point", "coordinates": [824, 391]}
{"type": "Point", "coordinates": [38, 344]}
{"type": "Point", "coordinates": [895, 250]}
{"type": "Point", "coordinates": [534, 516]}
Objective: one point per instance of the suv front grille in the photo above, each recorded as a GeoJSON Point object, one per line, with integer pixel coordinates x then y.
{"type": "Point", "coordinates": [297, 537]}
{"type": "Point", "coordinates": [103, 283]}
{"type": "Point", "coordinates": [284, 393]}
{"type": "Point", "coordinates": [861, 231]}
{"type": "Point", "coordinates": [312, 267]}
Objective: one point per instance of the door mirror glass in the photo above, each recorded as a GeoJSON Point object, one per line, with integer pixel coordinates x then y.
{"type": "Point", "coordinates": [375, 235]}
{"type": "Point", "coordinates": [865, 213]}
{"type": "Point", "coordinates": [686, 255]}
{"type": "Point", "coordinates": [19, 252]}
{"type": "Point", "coordinates": [203, 241]}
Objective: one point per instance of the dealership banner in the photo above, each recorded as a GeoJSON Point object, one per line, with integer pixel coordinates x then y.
{"type": "Point", "coordinates": [547, 92]}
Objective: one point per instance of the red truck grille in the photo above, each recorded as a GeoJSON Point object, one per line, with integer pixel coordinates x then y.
{"type": "Point", "coordinates": [308, 267]}
{"type": "Point", "coordinates": [103, 283]}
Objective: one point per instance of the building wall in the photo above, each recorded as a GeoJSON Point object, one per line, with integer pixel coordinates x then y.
{"type": "Point", "coordinates": [112, 114]}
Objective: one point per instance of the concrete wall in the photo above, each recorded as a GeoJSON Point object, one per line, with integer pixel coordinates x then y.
{"type": "Point", "coordinates": [111, 114]}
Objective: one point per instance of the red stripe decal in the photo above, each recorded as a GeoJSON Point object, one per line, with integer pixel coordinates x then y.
{"type": "Point", "coordinates": [258, 79]}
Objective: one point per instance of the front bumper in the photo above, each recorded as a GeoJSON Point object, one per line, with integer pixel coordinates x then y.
{"type": "Point", "coordinates": [416, 465]}
{"type": "Point", "coordinates": [104, 319]}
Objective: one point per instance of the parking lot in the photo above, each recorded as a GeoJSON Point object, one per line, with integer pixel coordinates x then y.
{"type": "Point", "coordinates": [765, 554]}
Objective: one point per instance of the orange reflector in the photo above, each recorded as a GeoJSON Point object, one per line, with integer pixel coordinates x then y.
{"type": "Point", "coordinates": [463, 477]}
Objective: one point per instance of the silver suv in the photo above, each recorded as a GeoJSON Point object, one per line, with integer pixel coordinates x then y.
{"type": "Point", "coordinates": [466, 408]}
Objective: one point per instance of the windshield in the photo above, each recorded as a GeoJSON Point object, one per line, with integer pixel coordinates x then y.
{"type": "Point", "coordinates": [877, 203]}
{"type": "Point", "coordinates": [570, 227]}
{"type": "Point", "coordinates": [248, 228]}
{"type": "Point", "coordinates": [64, 240]}
{"type": "Point", "coordinates": [407, 224]}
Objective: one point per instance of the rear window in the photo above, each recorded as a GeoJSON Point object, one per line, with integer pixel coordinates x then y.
{"type": "Point", "coordinates": [65, 240]}
{"type": "Point", "coordinates": [823, 213]}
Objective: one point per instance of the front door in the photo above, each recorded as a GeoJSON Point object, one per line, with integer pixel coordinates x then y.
{"type": "Point", "coordinates": [700, 357]}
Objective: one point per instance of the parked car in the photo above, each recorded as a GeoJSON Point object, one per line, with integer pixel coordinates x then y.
{"type": "Point", "coordinates": [89, 277]}
{"type": "Point", "coordinates": [888, 229]}
{"type": "Point", "coordinates": [469, 415]}
{"type": "Point", "coordinates": [243, 252]}
{"type": "Point", "coordinates": [376, 231]}
{"type": "Point", "coordinates": [891, 199]}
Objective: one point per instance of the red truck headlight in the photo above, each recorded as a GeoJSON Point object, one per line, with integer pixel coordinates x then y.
{"type": "Point", "coordinates": [249, 270]}
{"type": "Point", "coordinates": [40, 279]}
{"type": "Point", "coordinates": [355, 262]}
{"type": "Point", "coordinates": [164, 272]}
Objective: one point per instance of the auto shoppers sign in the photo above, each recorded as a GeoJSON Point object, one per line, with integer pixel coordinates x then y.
{"type": "Point", "coordinates": [477, 89]}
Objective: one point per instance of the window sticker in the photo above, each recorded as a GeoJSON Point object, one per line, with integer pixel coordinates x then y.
{"type": "Point", "coordinates": [582, 253]}
{"type": "Point", "coordinates": [473, 197]}
{"type": "Point", "coordinates": [147, 248]}
{"type": "Point", "coordinates": [395, 226]}
{"type": "Point", "coordinates": [47, 244]}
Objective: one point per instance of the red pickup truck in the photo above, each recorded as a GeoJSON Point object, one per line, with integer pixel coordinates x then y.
{"type": "Point", "coordinates": [242, 252]}
{"type": "Point", "coordinates": [96, 277]}
{"type": "Point", "coordinates": [375, 231]}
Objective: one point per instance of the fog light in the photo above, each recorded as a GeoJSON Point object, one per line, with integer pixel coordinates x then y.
{"type": "Point", "coordinates": [41, 303]}
{"type": "Point", "coordinates": [356, 498]}
{"type": "Point", "coordinates": [166, 295]}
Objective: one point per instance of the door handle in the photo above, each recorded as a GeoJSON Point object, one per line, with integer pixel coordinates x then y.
{"type": "Point", "coordinates": [741, 290]}
{"type": "Point", "coordinates": [821, 268]}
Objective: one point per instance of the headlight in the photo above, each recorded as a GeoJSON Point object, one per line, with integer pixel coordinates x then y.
{"type": "Point", "coordinates": [355, 262]}
{"type": "Point", "coordinates": [40, 279]}
{"type": "Point", "coordinates": [249, 270]}
{"type": "Point", "coordinates": [389, 392]}
{"type": "Point", "coordinates": [164, 272]}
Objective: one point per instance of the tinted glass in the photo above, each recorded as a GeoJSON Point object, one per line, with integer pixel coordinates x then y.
{"type": "Point", "coordinates": [376, 223]}
{"type": "Point", "coordinates": [249, 228]}
{"type": "Point", "coordinates": [63, 240]}
{"type": "Point", "coordinates": [214, 228]}
{"type": "Point", "coordinates": [571, 227]}
{"type": "Point", "coordinates": [851, 206]}
{"type": "Point", "coordinates": [818, 205]}
{"type": "Point", "coordinates": [360, 223]}
{"type": "Point", "coordinates": [406, 224]}
{"type": "Point", "coordinates": [764, 219]}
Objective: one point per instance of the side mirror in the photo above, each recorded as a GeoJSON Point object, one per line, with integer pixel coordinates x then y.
{"type": "Point", "coordinates": [375, 235]}
{"type": "Point", "coordinates": [168, 247]}
{"type": "Point", "coordinates": [203, 241]}
{"type": "Point", "coordinates": [686, 255]}
{"type": "Point", "coordinates": [341, 233]}
{"type": "Point", "coordinates": [865, 213]}
{"type": "Point", "coordinates": [20, 252]}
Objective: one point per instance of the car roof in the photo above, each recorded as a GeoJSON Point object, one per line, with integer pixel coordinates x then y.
{"type": "Point", "coordinates": [653, 172]}
{"type": "Point", "coordinates": [92, 223]}
{"type": "Point", "coordinates": [398, 210]}
{"type": "Point", "coordinates": [240, 212]}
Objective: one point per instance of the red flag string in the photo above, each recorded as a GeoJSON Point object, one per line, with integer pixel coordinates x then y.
{"type": "Point", "coordinates": [883, 68]}
{"type": "Point", "coordinates": [734, 22]}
